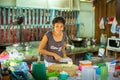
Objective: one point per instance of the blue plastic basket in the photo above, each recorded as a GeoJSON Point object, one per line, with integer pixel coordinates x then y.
{"type": "Point", "coordinates": [19, 75]}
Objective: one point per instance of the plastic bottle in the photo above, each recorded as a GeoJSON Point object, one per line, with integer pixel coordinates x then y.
{"type": "Point", "coordinates": [103, 73]}
{"type": "Point", "coordinates": [97, 73]}
{"type": "Point", "coordinates": [103, 40]}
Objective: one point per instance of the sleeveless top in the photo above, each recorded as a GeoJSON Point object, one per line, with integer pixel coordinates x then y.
{"type": "Point", "coordinates": [54, 46]}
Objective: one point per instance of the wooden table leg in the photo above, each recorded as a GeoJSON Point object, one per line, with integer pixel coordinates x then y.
{"type": "Point", "coordinates": [115, 55]}
{"type": "Point", "coordinates": [73, 58]}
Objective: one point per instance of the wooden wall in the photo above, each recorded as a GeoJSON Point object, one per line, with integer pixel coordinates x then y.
{"type": "Point", "coordinates": [104, 9]}
{"type": "Point", "coordinates": [118, 11]}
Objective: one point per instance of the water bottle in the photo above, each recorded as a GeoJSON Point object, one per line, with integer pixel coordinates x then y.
{"type": "Point", "coordinates": [103, 73]}
{"type": "Point", "coordinates": [103, 40]}
{"type": "Point", "coordinates": [98, 73]}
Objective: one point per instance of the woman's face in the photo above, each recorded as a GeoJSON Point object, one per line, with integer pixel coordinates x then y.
{"type": "Point", "coordinates": [58, 27]}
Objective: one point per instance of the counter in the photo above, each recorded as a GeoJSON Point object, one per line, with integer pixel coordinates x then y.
{"type": "Point", "coordinates": [33, 51]}
{"type": "Point", "coordinates": [81, 50]}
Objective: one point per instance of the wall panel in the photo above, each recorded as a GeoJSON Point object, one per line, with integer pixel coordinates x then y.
{"type": "Point", "coordinates": [106, 10]}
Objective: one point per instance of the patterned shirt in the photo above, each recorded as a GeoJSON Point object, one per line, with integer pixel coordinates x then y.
{"type": "Point", "coordinates": [54, 46]}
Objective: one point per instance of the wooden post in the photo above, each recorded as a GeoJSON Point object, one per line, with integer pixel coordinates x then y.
{"type": "Point", "coordinates": [118, 11]}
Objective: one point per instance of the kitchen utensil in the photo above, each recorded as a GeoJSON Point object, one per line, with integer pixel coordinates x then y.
{"type": "Point", "coordinates": [77, 42]}
{"type": "Point", "coordinates": [64, 75]}
{"type": "Point", "coordinates": [69, 68]}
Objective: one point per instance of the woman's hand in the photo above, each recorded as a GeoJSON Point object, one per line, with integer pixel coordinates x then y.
{"type": "Point", "coordinates": [57, 57]}
{"type": "Point", "coordinates": [64, 55]}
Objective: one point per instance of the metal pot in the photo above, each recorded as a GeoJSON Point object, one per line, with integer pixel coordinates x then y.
{"type": "Point", "coordinates": [77, 42]}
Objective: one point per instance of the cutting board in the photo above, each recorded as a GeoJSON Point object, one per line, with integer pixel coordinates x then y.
{"type": "Point", "coordinates": [69, 68]}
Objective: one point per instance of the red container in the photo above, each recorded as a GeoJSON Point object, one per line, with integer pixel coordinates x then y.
{"type": "Point", "coordinates": [117, 67]}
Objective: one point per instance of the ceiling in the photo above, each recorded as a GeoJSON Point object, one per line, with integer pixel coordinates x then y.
{"type": "Point", "coordinates": [87, 0]}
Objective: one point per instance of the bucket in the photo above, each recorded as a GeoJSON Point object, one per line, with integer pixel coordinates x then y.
{"type": "Point", "coordinates": [39, 71]}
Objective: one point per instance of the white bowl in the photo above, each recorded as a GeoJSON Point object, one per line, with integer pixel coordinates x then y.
{"type": "Point", "coordinates": [53, 78]}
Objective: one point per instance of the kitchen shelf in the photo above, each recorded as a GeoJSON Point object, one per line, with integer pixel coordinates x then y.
{"type": "Point", "coordinates": [36, 22]}
{"type": "Point", "coordinates": [114, 52]}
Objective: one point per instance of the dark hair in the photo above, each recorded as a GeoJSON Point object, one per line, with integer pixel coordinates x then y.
{"type": "Point", "coordinates": [58, 19]}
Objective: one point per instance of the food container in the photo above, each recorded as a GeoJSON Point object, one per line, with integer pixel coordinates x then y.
{"type": "Point", "coordinates": [88, 73]}
{"type": "Point", "coordinates": [85, 63]}
{"type": "Point", "coordinates": [53, 78]}
{"type": "Point", "coordinates": [64, 75]}
{"type": "Point", "coordinates": [111, 67]}
{"type": "Point", "coordinates": [52, 74]}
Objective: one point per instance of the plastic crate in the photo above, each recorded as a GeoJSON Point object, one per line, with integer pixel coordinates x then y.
{"type": "Point", "coordinates": [19, 75]}
{"type": "Point", "coordinates": [22, 67]}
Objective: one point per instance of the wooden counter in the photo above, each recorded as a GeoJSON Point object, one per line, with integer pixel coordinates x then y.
{"type": "Point", "coordinates": [33, 51]}
{"type": "Point", "coordinates": [81, 50]}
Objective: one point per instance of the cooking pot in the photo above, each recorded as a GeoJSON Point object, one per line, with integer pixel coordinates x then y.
{"type": "Point", "coordinates": [77, 42]}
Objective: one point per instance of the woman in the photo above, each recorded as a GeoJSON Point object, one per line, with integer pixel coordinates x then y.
{"type": "Point", "coordinates": [53, 43]}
